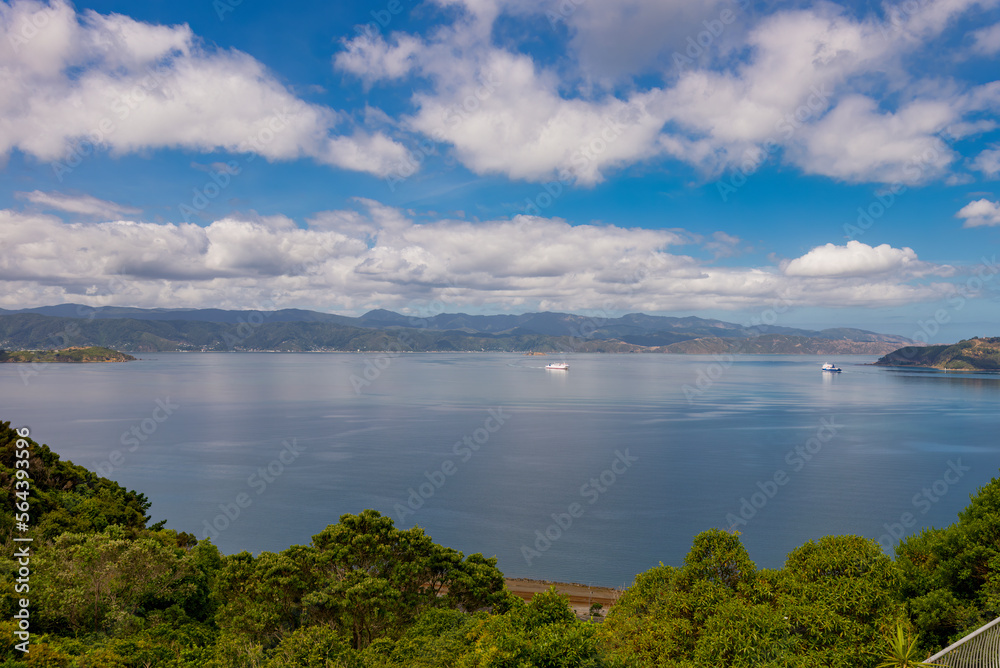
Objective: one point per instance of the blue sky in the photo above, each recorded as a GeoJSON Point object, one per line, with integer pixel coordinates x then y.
{"type": "Point", "coordinates": [833, 164]}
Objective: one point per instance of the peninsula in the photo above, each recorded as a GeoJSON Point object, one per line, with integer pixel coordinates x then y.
{"type": "Point", "coordinates": [976, 354]}
{"type": "Point", "coordinates": [77, 354]}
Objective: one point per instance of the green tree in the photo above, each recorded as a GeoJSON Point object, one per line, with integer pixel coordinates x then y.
{"type": "Point", "coordinates": [100, 582]}
{"type": "Point", "coordinates": [543, 633]}
{"type": "Point", "coordinates": [372, 579]}
{"type": "Point", "coordinates": [951, 576]}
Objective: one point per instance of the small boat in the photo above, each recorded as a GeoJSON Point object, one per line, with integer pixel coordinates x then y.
{"type": "Point", "coordinates": [831, 368]}
{"type": "Point", "coordinates": [560, 366]}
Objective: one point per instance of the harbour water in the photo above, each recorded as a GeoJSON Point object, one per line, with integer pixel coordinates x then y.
{"type": "Point", "coordinates": [589, 475]}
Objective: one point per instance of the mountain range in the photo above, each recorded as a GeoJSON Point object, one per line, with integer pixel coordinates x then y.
{"type": "Point", "coordinates": [148, 330]}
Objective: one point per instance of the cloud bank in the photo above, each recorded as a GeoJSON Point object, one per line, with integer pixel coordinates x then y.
{"type": "Point", "coordinates": [377, 257]}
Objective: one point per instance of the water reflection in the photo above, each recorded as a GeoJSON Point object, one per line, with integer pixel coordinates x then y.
{"type": "Point", "coordinates": [986, 381]}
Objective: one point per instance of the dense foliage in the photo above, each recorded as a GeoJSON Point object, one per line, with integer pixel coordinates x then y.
{"type": "Point", "coordinates": [109, 590]}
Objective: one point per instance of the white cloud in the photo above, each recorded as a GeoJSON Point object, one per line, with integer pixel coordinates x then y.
{"type": "Point", "coordinates": [373, 59]}
{"type": "Point", "coordinates": [112, 82]}
{"type": "Point", "coordinates": [378, 257]}
{"type": "Point", "coordinates": [832, 90]}
{"type": "Point", "coordinates": [857, 142]}
{"type": "Point", "coordinates": [988, 162]}
{"type": "Point", "coordinates": [987, 40]}
{"type": "Point", "coordinates": [980, 213]}
{"type": "Point", "coordinates": [86, 205]}
{"type": "Point", "coordinates": [852, 260]}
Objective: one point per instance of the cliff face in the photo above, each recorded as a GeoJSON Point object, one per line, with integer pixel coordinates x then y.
{"type": "Point", "coordinates": [978, 354]}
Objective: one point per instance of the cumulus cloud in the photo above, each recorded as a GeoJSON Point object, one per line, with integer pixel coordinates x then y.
{"type": "Point", "coordinates": [853, 259]}
{"type": "Point", "coordinates": [85, 205]}
{"type": "Point", "coordinates": [75, 82]}
{"type": "Point", "coordinates": [856, 142]}
{"type": "Point", "coordinates": [988, 162]}
{"type": "Point", "coordinates": [829, 92]}
{"type": "Point", "coordinates": [987, 40]}
{"type": "Point", "coordinates": [980, 213]}
{"type": "Point", "coordinates": [379, 257]}
{"type": "Point", "coordinates": [373, 59]}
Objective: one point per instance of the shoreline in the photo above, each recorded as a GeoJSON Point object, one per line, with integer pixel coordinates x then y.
{"type": "Point", "coordinates": [581, 596]}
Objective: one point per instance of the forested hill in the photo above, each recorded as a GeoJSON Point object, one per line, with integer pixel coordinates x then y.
{"type": "Point", "coordinates": [982, 354]}
{"type": "Point", "coordinates": [31, 331]}
{"type": "Point", "coordinates": [635, 328]}
{"type": "Point", "coordinates": [382, 331]}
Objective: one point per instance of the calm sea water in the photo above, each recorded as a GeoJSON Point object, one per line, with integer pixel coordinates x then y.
{"type": "Point", "coordinates": [589, 475]}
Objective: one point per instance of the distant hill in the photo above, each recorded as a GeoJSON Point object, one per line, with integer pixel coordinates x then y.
{"type": "Point", "coordinates": [971, 354]}
{"type": "Point", "coordinates": [28, 331]}
{"type": "Point", "coordinates": [779, 344]}
{"type": "Point", "coordinates": [635, 328]}
{"type": "Point", "coordinates": [79, 354]}
{"type": "Point", "coordinates": [201, 315]}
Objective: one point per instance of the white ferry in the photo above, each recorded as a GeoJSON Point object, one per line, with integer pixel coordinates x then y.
{"type": "Point", "coordinates": [560, 366]}
{"type": "Point", "coordinates": [831, 368]}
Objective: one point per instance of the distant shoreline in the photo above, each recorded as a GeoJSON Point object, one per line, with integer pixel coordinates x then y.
{"type": "Point", "coordinates": [517, 353]}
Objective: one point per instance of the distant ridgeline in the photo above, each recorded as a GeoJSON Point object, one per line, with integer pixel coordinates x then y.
{"type": "Point", "coordinates": [154, 330]}
{"type": "Point", "coordinates": [979, 354]}
{"type": "Point", "coordinates": [81, 354]}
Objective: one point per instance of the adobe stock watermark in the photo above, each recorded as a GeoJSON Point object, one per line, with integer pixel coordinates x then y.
{"type": "Point", "coordinates": [698, 44]}
{"type": "Point", "coordinates": [815, 104]}
{"type": "Point", "coordinates": [66, 336]}
{"type": "Point", "coordinates": [245, 328]}
{"type": "Point", "coordinates": [914, 171]}
{"type": "Point", "coordinates": [923, 501]}
{"type": "Point", "coordinates": [587, 152]}
{"type": "Point", "coordinates": [381, 19]}
{"type": "Point", "coordinates": [121, 107]}
{"type": "Point", "coordinates": [463, 450]}
{"type": "Point", "coordinates": [402, 341]}
{"type": "Point", "coordinates": [564, 10]}
{"type": "Point", "coordinates": [223, 7]}
{"type": "Point", "coordinates": [221, 179]}
{"type": "Point", "coordinates": [30, 28]}
{"type": "Point", "coordinates": [928, 328]}
{"type": "Point", "coordinates": [135, 437]}
{"type": "Point", "coordinates": [591, 491]}
{"type": "Point", "coordinates": [797, 459]}
{"type": "Point", "coordinates": [710, 373]}
{"type": "Point", "coordinates": [453, 116]}
{"type": "Point", "coordinates": [896, 14]}
{"type": "Point", "coordinates": [258, 481]}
